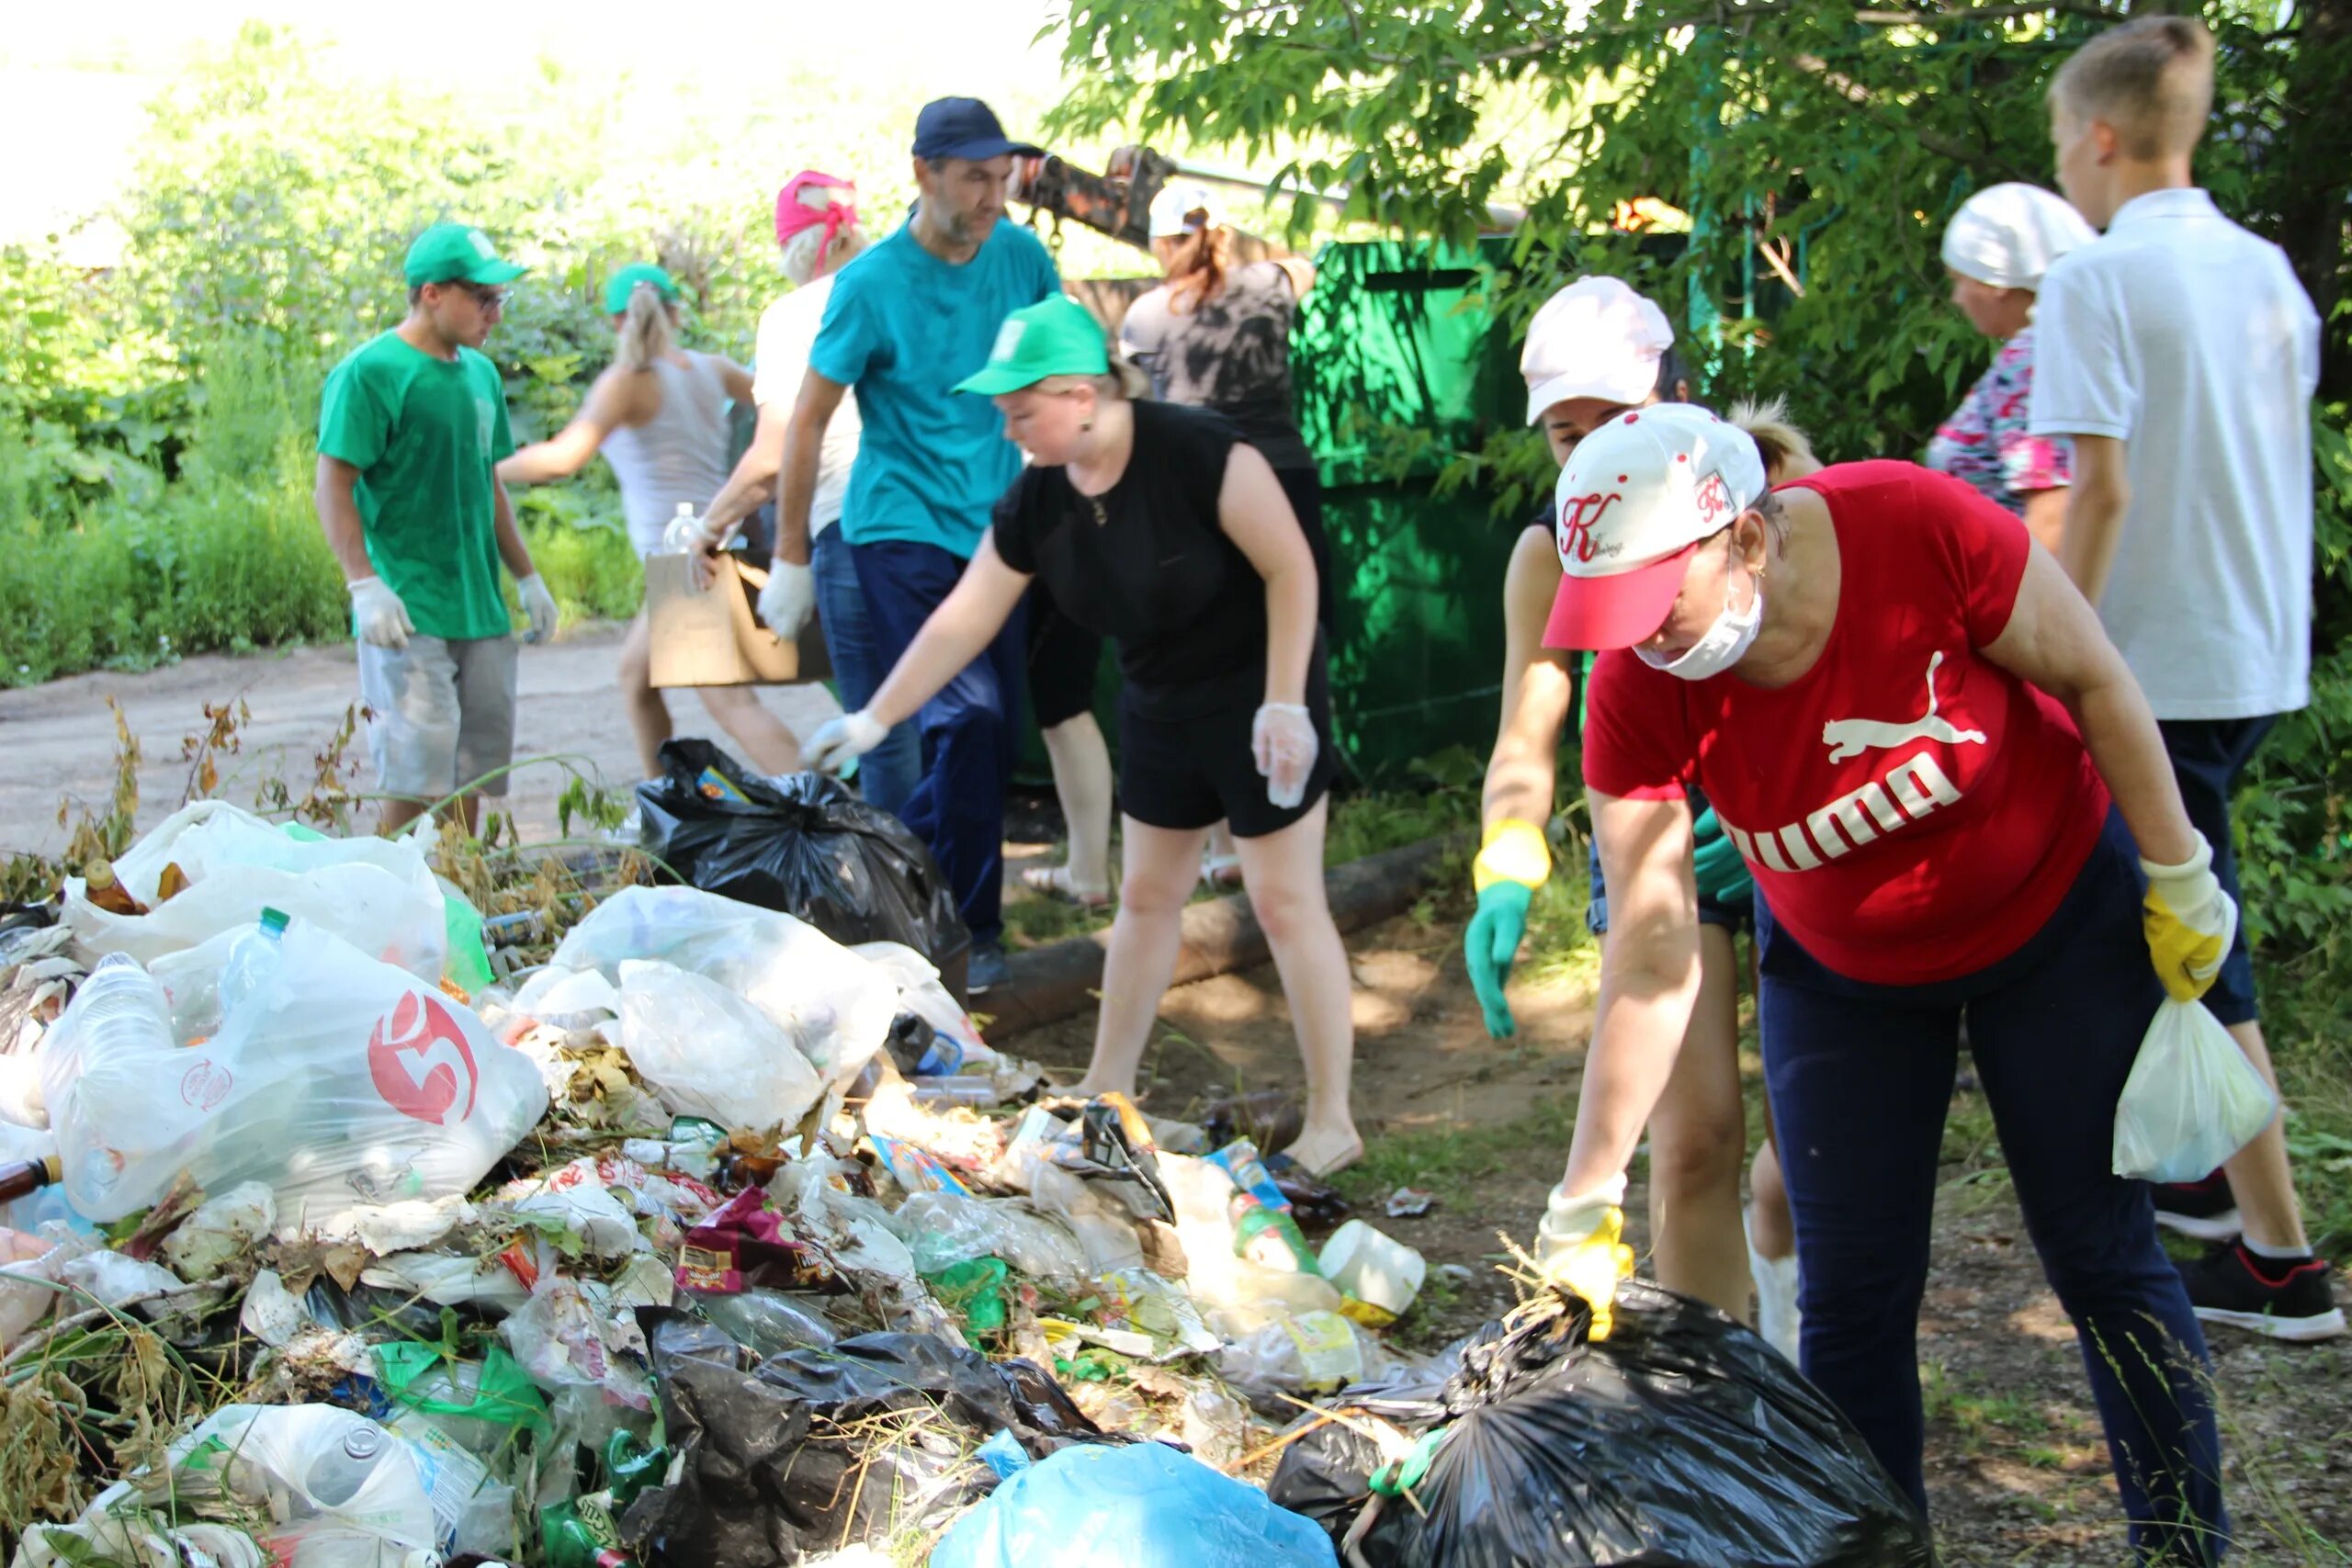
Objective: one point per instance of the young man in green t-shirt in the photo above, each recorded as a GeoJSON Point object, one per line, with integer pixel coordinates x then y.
{"type": "Point", "coordinates": [411, 427]}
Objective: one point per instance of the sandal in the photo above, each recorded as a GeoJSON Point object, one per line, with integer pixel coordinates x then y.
{"type": "Point", "coordinates": [1222, 873]}
{"type": "Point", "coordinates": [1053, 881]}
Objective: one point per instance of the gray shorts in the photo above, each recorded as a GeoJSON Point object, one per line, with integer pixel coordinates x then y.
{"type": "Point", "coordinates": [441, 714]}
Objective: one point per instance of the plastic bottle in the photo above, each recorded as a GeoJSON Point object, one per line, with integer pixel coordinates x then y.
{"type": "Point", "coordinates": [252, 961]}
{"type": "Point", "coordinates": [342, 1469]}
{"type": "Point", "coordinates": [107, 891]}
{"type": "Point", "coordinates": [120, 1014]}
{"type": "Point", "coordinates": [677, 535]}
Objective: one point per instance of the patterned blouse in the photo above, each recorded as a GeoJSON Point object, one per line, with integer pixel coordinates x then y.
{"type": "Point", "coordinates": [1985, 443]}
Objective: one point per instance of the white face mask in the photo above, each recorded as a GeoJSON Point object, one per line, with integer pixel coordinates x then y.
{"type": "Point", "coordinates": [1726, 642]}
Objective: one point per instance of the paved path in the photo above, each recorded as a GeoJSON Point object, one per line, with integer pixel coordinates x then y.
{"type": "Point", "coordinates": [59, 740]}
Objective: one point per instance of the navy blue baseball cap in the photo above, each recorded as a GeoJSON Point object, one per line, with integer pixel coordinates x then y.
{"type": "Point", "coordinates": [964, 127]}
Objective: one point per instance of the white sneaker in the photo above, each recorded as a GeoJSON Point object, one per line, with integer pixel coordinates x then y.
{"type": "Point", "coordinates": [1777, 1319]}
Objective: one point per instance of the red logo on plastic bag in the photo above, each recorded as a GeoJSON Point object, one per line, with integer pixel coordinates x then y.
{"type": "Point", "coordinates": [206, 1085]}
{"type": "Point", "coordinates": [420, 1061]}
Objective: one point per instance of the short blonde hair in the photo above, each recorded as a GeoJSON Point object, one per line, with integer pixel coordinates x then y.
{"type": "Point", "coordinates": [2150, 79]}
{"type": "Point", "coordinates": [1786, 450]}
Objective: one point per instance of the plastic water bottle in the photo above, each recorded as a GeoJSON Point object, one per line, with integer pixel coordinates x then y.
{"type": "Point", "coordinates": [678, 534]}
{"type": "Point", "coordinates": [342, 1468]}
{"type": "Point", "coordinates": [252, 961]}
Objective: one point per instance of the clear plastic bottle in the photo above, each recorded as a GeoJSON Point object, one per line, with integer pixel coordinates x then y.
{"type": "Point", "coordinates": [118, 1025]}
{"type": "Point", "coordinates": [342, 1468]}
{"type": "Point", "coordinates": [252, 961]}
{"type": "Point", "coordinates": [677, 535]}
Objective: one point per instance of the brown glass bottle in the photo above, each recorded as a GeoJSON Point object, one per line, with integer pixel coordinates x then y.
{"type": "Point", "coordinates": [25, 1176]}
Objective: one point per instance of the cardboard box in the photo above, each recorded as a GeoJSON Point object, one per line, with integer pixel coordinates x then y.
{"type": "Point", "coordinates": [712, 637]}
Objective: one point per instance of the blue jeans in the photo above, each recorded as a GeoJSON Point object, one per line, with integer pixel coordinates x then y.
{"type": "Point", "coordinates": [1861, 1076]}
{"type": "Point", "coordinates": [970, 730]}
{"type": "Point", "coordinates": [887, 774]}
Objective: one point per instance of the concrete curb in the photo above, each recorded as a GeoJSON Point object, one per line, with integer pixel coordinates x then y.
{"type": "Point", "coordinates": [1221, 935]}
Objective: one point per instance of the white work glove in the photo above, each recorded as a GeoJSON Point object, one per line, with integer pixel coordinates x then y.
{"type": "Point", "coordinates": [1580, 1247]}
{"type": "Point", "coordinates": [538, 608]}
{"type": "Point", "coordinates": [785, 601]}
{"type": "Point", "coordinates": [1282, 738]}
{"type": "Point", "coordinates": [383, 619]}
{"type": "Point", "coordinates": [839, 741]}
{"type": "Point", "coordinates": [2189, 923]}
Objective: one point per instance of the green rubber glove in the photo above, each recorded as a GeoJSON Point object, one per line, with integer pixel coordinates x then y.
{"type": "Point", "coordinates": [1722, 874]}
{"type": "Point", "coordinates": [1490, 947]}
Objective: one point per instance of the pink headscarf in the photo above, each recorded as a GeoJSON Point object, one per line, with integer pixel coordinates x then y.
{"type": "Point", "coordinates": [810, 199]}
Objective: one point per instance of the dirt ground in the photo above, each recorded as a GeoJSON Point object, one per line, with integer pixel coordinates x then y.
{"type": "Point", "coordinates": [59, 738]}
{"type": "Point", "coordinates": [2017, 1470]}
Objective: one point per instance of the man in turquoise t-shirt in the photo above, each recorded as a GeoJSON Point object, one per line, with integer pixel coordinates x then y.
{"type": "Point", "coordinates": [907, 320]}
{"type": "Point", "coordinates": [410, 428]}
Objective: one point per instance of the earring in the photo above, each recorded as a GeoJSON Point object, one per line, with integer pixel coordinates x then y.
{"type": "Point", "coordinates": [1085, 424]}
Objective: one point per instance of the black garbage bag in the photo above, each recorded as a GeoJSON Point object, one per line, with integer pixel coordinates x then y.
{"type": "Point", "coordinates": [1682, 1438]}
{"type": "Point", "coordinates": [817, 1448]}
{"type": "Point", "coordinates": [804, 844]}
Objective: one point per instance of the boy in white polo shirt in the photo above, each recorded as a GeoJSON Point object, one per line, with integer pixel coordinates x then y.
{"type": "Point", "coordinates": [2180, 355]}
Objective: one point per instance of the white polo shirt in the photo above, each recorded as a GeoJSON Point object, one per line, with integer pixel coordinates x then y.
{"type": "Point", "coordinates": [2190, 340]}
{"type": "Point", "coordinates": [779, 360]}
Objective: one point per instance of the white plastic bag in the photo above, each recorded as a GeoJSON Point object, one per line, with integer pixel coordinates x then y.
{"type": "Point", "coordinates": [341, 1081]}
{"type": "Point", "coordinates": [332, 1489]}
{"type": "Point", "coordinates": [707, 1052]}
{"type": "Point", "coordinates": [376, 894]}
{"type": "Point", "coordinates": [2192, 1101]}
{"type": "Point", "coordinates": [834, 1006]}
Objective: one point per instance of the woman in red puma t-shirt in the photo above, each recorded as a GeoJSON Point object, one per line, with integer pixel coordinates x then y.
{"type": "Point", "coordinates": [1936, 767]}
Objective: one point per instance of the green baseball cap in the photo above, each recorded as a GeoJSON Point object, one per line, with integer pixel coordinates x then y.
{"type": "Point", "coordinates": [457, 252]}
{"type": "Point", "coordinates": [622, 284]}
{"type": "Point", "coordinates": [1055, 336]}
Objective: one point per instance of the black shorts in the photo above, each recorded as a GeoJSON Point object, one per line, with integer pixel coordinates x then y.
{"type": "Point", "coordinates": [1188, 771]}
{"type": "Point", "coordinates": [1063, 660]}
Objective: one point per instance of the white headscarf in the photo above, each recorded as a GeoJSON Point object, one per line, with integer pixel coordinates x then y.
{"type": "Point", "coordinates": [2006, 235]}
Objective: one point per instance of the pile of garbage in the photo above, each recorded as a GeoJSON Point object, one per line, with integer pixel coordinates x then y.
{"type": "Point", "coordinates": [337, 1237]}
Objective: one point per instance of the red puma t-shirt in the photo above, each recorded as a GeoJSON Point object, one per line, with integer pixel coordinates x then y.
{"type": "Point", "coordinates": [1911, 811]}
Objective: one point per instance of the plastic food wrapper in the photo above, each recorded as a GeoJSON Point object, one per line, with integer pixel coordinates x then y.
{"type": "Point", "coordinates": [945, 1229]}
{"type": "Point", "coordinates": [835, 1007]}
{"type": "Point", "coordinates": [566, 1336]}
{"type": "Point", "coordinates": [1683, 1437]}
{"type": "Point", "coordinates": [376, 894]}
{"type": "Point", "coordinates": [708, 1053]}
{"type": "Point", "coordinates": [749, 1244]}
{"type": "Point", "coordinates": [769, 1322]}
{"type": "Point", "coordinates": [804, 845]}
{"type": "Point", "coordinates": [339, 1081]}
{"type": "Point", "coordinates": [798, 1455]}
{"type": "Point", "coordinates": [1144, 1506]}
{"type": "Point", "coordinates": [2192, 1100]}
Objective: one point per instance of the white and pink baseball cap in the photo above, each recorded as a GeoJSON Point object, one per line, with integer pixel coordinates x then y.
{"type": "Point", "coordinates": [1636, 497]}
{"type": "Point", "coordinates": [1596, 338]}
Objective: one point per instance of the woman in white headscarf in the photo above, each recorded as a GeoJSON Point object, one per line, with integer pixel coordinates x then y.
{"type": "Point", "coordinates": [1996, 248]}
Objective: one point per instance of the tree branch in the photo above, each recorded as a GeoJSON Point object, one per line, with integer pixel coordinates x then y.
{"type": "Point", "coordinates": [2090, 8]}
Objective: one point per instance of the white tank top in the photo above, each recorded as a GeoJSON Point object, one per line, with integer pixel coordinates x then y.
{"type": "Point", "coordinates": [677, 456]}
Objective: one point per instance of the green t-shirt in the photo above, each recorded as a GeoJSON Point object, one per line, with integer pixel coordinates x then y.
{"type": "Point", "coordinates": [425, 432]}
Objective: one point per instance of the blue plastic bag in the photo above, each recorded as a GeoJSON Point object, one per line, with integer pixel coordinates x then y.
{"type": "Point", "coordinates": [1144, 1506]}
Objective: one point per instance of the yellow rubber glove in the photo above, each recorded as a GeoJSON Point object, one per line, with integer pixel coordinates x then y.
{"type": "Point", "coordinates": [1580, 1247]}
{"type": "Point", "coordinates": [2189, 922]}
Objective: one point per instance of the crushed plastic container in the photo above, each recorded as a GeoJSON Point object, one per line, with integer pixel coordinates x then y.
{"type": "Point", "coordinates": [1379, 1275]}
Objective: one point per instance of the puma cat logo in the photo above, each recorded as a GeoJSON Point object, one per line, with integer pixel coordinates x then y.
{"type": "Point", "coordinates": [1851, 737]}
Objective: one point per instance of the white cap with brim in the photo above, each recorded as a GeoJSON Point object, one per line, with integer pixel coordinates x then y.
{"type": "Point", "coordinates": [1635, 500]}
{"type": "Point", "coordinates": [1596, 338]}
{"type": "Point", "coordinates": [1172, 209]}
{"type": "Point", "coordinates": [2006, 235]}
